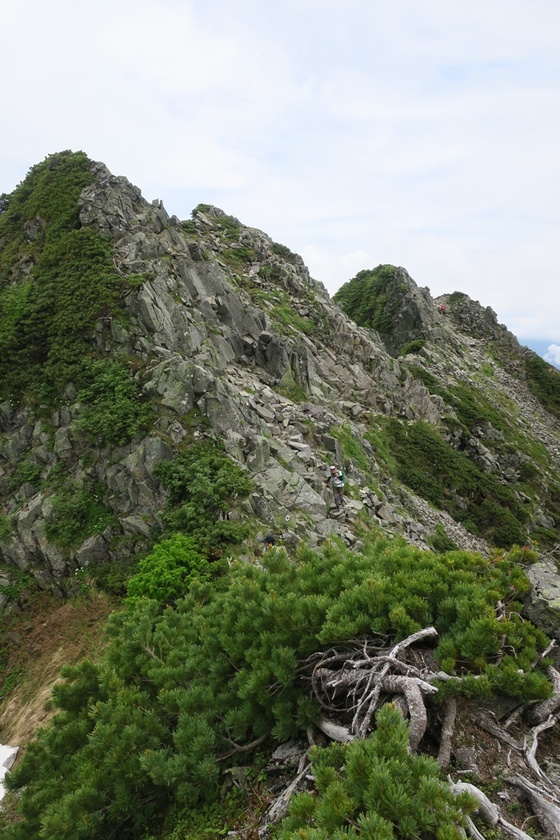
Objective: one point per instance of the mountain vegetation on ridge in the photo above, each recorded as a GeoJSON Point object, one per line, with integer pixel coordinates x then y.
{"type": "Point", "coordinates": [170, 391]}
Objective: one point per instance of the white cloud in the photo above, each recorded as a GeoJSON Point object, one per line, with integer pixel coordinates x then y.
{"type": "Point", "coordinates": [328, 267]}
{"type": "Point", "coordinates": [552, 355]}
{"type": "Point", "coordinates": [422, 135]}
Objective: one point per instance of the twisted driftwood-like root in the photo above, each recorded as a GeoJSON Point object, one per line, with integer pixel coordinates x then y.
{"type": "Point", "coordinates": [544, 797]}
{"type": "Point", "coordinates": [447, 730]}
{"type": "Point", "coordinates": [360, 678]}
{"type": "Point", "coordinates": [352, 682]}
{"type": "Point", "coordinates": [545, 804]}
{"type": "Point", "coordinates": [489, 812]}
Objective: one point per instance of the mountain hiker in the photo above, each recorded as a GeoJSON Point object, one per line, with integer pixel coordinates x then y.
{"type": "Point", "coordinates": [268, 542]}
{"type": "Point", "coordinates": [335, 480]}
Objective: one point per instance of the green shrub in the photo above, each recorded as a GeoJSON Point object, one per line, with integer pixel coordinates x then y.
{"type": "Point", "coordinates": [283, 251]}
{"type": "Point", "coordinates": [204, 484]}
{"type": "Point", "coordinates": [6, 528]}
{"type": "Point", "coordinates": [412, 347]}
{"type": "Point", "coordinates": [113, 411]}
{"type": "Point", "coordinates": [179, 691]}
{"type": "Point", "coordinates": [440, 541]}
{"type": "Point", "coordinates": [25, 472]}
{"type": "Point", "coordinates": [49, 194]}
{"type": "Point", "coordinates": [167, 571]}
{"type": "Point", "coordinates": [364, 298]}
{"type": "Point", "coordinates": [76, 515]}
{"type": "Point", "coordinates": [376, 789]}
{"type": "Point", "coordinates": [48, 317]}
{"type": "Point", "coordinates": [451, 481]}
{"type": "Point", "coordinates": [544, 382]}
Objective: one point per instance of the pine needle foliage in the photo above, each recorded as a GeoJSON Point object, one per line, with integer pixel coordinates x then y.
{"type": "Point", "coordinates": [365, 300]}
{"type": "Point", "coordinates": [180, 691]}
{"type": "Point", "coordinates": [111, 412]}
{"type": "Point", "coordinates": [544, 382]}
{"type": "Point", "coordinates": [57, 279]}
{"type": "Point", "coordinates": [376, 789]}
{"type": "Point", "coordinates": [203, 485]}
{"type": "Point", "coordinates": [168, 570]}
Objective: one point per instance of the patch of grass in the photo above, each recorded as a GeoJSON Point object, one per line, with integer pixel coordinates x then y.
{"type": "Point", "coordinates": [77, 514]}
{"type": "Point", "coordinates": [238, 257]}
{"type": "Point", "coordinates": [449, 480]}
{"type": "Point", "coordinates": [6, 528]}
{"type": "Point", "coordinates": [351, 449]}
{"type": "Point", "coordinates": [48, 634]}
{"type": "Point", "coordinates": [288, 387]}
{"type": "Point", "coordinates": [412, 347]}
{"type": "Point", "coordinates": [285, 315]}
{"type": "Point", "coordinates": [113, 411]}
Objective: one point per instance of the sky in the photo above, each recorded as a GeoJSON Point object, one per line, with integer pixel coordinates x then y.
{"type": "Point", "coordinates": [356, 132]}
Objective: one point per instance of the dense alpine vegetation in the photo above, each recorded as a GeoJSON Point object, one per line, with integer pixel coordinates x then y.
{"type": "Point", "coordinates": [171, 391]}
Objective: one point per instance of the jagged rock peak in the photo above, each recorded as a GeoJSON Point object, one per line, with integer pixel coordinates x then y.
{"type": "Point", "coordinates": [219, 330]}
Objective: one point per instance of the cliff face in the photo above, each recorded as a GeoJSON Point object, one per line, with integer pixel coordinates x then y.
{"type": "Point", "coordinates": [224, 333]}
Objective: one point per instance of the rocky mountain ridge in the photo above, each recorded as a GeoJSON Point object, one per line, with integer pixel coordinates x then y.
{"type": "Point", "coordinates": [227, 334]}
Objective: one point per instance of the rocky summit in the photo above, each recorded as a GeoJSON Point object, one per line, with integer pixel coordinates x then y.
{"type": "Point", "coordinates": [447, 429]}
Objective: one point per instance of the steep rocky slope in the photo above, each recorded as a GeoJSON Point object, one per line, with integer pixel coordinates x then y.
{"type": "Point", "coordinates": [226, 333]}
{"type": "Point", "coordinates": [127, 337]}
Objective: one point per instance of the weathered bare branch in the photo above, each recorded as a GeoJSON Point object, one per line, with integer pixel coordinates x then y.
{"type": "Point", "coordinates": [279, 808]}
{"type": "Point", "coordinates": [334, 731]}
{"type": "Point", "coordinates": [530, 751]}
{"type": "Point", "coordinates": [447, 730]}
{"type": "Point", "coordinates": [485, 722]}
{"type": "Point", "coordinates": [547, 811]}
{"type": "Point", "coordinates": [240, 748]}
{"type": "Point", "coordinates": [489, 812]}
{"type": "Point", "coordinates": [426, 633]}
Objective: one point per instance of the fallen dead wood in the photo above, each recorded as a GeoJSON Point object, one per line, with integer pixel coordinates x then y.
{"type": "Point", "coordinates": [489, 812]}
{"type": "Point", "coordinates": [484, 720]}
{"type": "Point", "coordinates": [545, 806]}
{"type": "Point", "coordinates": [334, 731]}
{"type": "Point", "coordinates": [530, 751]}
{"type": "Point", "coordinates": [279, 808]}
{"type": "Point", "coordinates": [354, 682]}
{"type": "Point", "coordinates": [447, 730]}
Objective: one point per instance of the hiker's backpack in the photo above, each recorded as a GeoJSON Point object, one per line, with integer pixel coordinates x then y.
{"type": "Point", "coordinates": [340, 479]}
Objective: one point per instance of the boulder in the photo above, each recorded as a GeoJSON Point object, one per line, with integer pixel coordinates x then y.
{"type": "Point", "coordinates": [542, 603]}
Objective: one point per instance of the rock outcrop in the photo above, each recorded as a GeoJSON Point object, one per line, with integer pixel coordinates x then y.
{"type": "Point", "coordinates": [228, 334]}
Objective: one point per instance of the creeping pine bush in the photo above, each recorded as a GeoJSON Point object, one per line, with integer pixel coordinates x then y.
{"type": "Point", "coordinates": [152, 726]}
{"type": "Point", "coordinates": [112, 410]}
{"type": "Point", "coordinates": [377, 790]}
{"type": "Point", "coordinates": [167, 571]}
{"type": "Point", "coordinates": [364, 298]}
{"type": "Point", "coordinates": [204, 484]}
{"type": "Point", "coordinates": [47, 317]}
